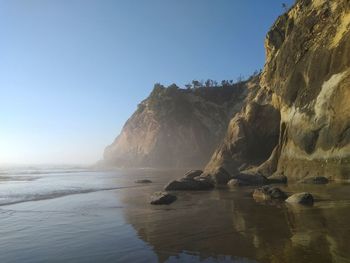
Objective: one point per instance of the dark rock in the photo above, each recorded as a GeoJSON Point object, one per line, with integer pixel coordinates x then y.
{"type": "Point", "coordinates": [277, 179]}
{"type": "Point", "coordinates": [269, 193]}
{"type": "Point", "coordinates": [236, 182]}
{"type": "Point", "coordinates": [220, 176]}
{"type": "Point", "coordinates": [246, 179]}
{"type": "Point", "coordinates": [187, 184]}
{"type": "Point", "coordinates": [162, 198]}
{"type": "Point", "coordinates": [315, 180]}
{"type": "Point", "coordinates": [301, 198]}
{"type": "Point", "coordinates": [252, 179]}
{"type": "Point", "coordinates": [143, 181]}
{"type": "Point", "coordinates": [193, 173]}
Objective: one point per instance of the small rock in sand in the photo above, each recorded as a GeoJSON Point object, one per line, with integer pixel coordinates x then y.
{"type": "Point", "coordinates": [220, 176]}
{"type": "Point", "coordinates": [236, 182]}
{"type": "Point", "coordinates": [162, 198]}
{"type": "Point", "coordinates": [301, 198]}
{"type": "Point", "coordinates": [269, 193]}
{"type": "Point", "coordinates": [186, 184]}
{"type": "Point", "coordinates": [277, 179]}
{"type": "Point", "coordinates": [143, 181]}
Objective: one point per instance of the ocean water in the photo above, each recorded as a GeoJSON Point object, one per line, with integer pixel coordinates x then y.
{"type": "Point", "coordinates": [25, 184]}
{"type": "Point", "coordinates": [73, 214]}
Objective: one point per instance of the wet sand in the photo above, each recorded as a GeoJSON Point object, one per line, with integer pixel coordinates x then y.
{"type": "Point", "coordinates": [215, 226]}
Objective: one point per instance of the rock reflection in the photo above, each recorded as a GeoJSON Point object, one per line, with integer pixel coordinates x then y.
{"type": "Point", "coordinates": [224, 225]}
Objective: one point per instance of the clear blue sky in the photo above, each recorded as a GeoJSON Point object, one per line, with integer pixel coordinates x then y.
{"type": "Point", "coordinates": [73, 71]}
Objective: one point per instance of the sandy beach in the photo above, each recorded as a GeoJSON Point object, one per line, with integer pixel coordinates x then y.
{"type": "Point", "coordinates": [109, 219]}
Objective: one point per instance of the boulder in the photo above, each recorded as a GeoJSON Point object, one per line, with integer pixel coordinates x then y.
{"type": "Point", "coordinates": [247, 179]}
{"type": "Point", "coordinates": [220, 176]}
{"type": "Point", "coordinates": [187, 184]}
{"type": "Point", "coordinates": [236, 182]}
{"type": "Point", "coordinates": [269, 193]}
{"type": "Point", "coordinates": [251, 178]}
{"type": "Point", "coordinates": [162, 198]}
{"type": "Point", "coordinates": [301, 198]}
{"type": "Point", "coordinates": [143, 181]}
{"type": "Point", "coordinates": [191, 174]}
{"type": "Point", "coordinates": [277, 179]}
{"type": "Point", "coordinates": [315, 180]}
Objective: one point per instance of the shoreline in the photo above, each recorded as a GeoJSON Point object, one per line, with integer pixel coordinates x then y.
{"type": "Point", "coordinates": [220, 225]}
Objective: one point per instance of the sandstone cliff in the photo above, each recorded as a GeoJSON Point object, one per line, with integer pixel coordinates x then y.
{"type": "Point", "coordinates": [298, 123]}
{"type": "Point", "coordinates": [177, 127]}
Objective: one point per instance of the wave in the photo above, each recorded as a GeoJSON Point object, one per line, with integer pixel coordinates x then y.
{"type": "Point", "coordinates": [4, 178]}
{"type": "Point", "coordinates": [56, 194]}
{"type": "Point", "coordinates": [45, 169]}
{"type": "Point", "coordinates": [28, 172]}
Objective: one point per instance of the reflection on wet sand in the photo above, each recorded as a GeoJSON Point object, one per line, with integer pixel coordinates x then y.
{"type": "Point", "coordinates": [228, 225]}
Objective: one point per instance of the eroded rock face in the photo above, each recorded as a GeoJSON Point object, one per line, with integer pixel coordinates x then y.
{"type": "Point", "coordinates": [298, 123]}
{"type": "Point", "coordinates": [308, 71]}
{"type": "Point", "coordinates": [251, 137]}
{"type": "Point", "coordinates": [177, 127]}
